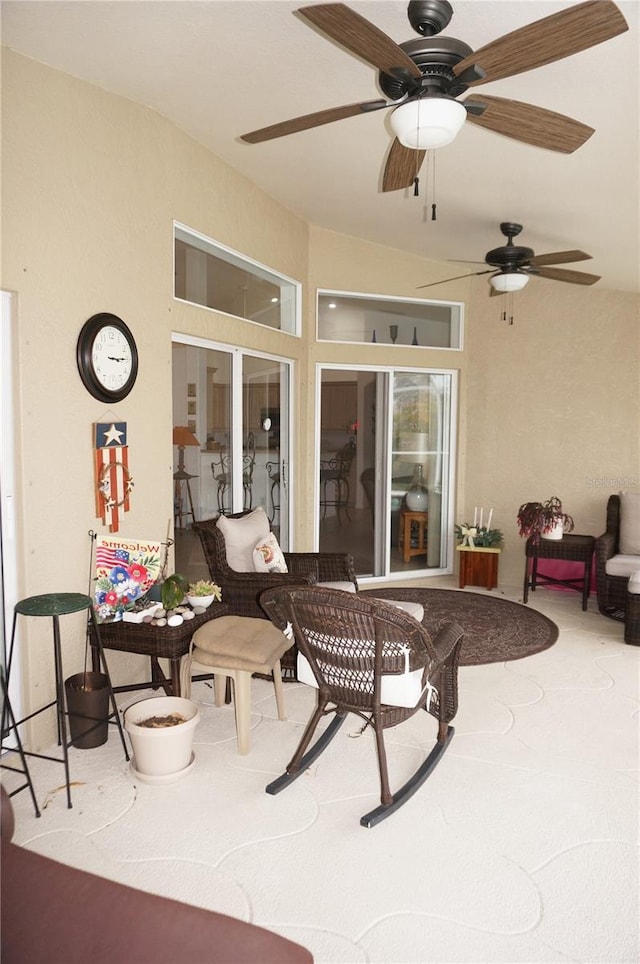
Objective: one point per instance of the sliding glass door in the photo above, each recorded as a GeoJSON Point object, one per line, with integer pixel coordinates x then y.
{"type": "Point", "coordinates": [385, 469]}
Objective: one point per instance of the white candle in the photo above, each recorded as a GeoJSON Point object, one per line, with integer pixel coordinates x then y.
{"type": "Point", "coordinates": [481, 511]}
{"type": "Point", "coordinates": [489, 519]}
{"type": "Point", "coordinates": [475, 515]}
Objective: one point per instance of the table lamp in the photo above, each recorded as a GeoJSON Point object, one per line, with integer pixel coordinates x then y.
{"type": "Point", "coordinates": [182, 436]}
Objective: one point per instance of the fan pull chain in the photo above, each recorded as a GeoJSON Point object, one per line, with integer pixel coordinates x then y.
{"type": "Point", "coordinates": [507, 314]}
{"type": "Point", "coordinates": [433, 185]}
{"type": "Point", "coordinates": [416, 182]}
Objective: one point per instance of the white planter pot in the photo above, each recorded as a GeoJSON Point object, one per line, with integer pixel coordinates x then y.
{"type": "Point", "coordinates": [161, 752]}
{"type": "Point", "coordinates": [204, 601]}
{"type": "Point", "coordinates": [554, 534]}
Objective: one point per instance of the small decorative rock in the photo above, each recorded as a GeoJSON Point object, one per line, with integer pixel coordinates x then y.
{"type": "Point", "coordinates": [161, 613]}
{"type": "Point", "coordinates": [175, 620]}
{"type": "Point", "coordinates": [147, 619]}
{"type": "Point", "coordinates": [159, 622]}
{"type": "Point", "coordinates": [188, 614]}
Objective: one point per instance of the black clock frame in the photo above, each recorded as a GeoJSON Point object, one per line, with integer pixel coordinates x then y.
{"type": "Point", "coordinates": [84, 357]}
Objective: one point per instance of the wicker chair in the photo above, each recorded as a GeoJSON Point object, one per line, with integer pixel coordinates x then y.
{"type": "Point", "coordinates": [611, 590]}
{"type": "Point", "coordinates": [369, 658]}
{"type": "Point", "coordinates": [240, 590]}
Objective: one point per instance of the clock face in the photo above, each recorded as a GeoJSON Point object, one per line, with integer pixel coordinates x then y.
{"type": "Point", "coordinates": [112, 358]}
{"type": "Point", "coordinates": [107, 357]}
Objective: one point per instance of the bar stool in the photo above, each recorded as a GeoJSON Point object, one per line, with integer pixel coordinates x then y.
{"type": "Point", "coordinates": [56, 605]}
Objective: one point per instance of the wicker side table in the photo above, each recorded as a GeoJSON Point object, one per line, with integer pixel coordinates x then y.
{"type": "Point", "coordinates": [572, 548]}
{"type": "Point", "coordinates": [156, 642]}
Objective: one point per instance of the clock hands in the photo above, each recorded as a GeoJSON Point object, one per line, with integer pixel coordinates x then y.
{"type": "Point", "coordinates": [111, 358]}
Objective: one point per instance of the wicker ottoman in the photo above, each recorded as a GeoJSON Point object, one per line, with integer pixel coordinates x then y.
{"type": "Point", "coordinates": [632, 611]}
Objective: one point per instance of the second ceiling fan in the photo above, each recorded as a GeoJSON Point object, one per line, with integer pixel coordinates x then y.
{"type": "Point", "coordinates": [511, 265]}
{"type": "Point", "coordinates": [423, 79]}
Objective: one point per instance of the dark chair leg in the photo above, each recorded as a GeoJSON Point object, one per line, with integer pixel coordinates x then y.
{"type": "Point", "coordinates": [301, 761]}
{"type": "Point", "coordinates": [407, 790]}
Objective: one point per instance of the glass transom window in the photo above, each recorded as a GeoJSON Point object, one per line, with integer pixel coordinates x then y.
{"type": "Point", "coordinates": [371, 319]}
{"type": "Point", "coordinates": [207, 273]}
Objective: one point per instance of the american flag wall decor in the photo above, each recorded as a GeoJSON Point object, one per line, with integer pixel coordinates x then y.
{"type": "Point", "coordinates": [113, 479]}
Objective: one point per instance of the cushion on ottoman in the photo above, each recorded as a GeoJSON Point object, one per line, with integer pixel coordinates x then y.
{"type": "Point", "coordinates": [413, 608]}
{"type": "Point", "coordinates": [239, 642]}
{"type": "Point", "coordinates": [343, 586]}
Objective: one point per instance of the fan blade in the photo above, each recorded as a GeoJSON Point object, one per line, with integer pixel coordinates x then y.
{"type": "Point", "coordinates": [458, 278]}
{"type": "Point", "coordinates": [312, 120]}
{"type": "Point", "coordinates": [359, 35]}
{"type": "Point", "coordinates": [560, 257]}
{"type": "Point", "coordinates": [561, 274]}
{"type": "Point", "coordinates": [525, 122]}
{"type": "Point", "coordinates": [547, 40]}
{"type": "Point", "coordinates": [401, 169]}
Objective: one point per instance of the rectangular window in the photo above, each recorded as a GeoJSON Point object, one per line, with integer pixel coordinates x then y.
{"type": "Point", "coordinates": [370, 319]}
{"type": "Point", "coordinates": [208, 274]}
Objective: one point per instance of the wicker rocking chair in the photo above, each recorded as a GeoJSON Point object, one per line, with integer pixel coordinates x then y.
{"type": "Point", "coordinates": [369, 658]}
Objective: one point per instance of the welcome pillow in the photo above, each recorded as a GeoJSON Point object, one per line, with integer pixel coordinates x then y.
{"type": "Point", "coordinates": [241, 536]}
{"type": "Point", "coordinates": [268, 557]}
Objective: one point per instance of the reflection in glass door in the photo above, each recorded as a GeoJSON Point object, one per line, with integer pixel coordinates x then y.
{"type": "Point", "coordinates": [265, 463]}
{"type": "Point", "coordinates": [384, 486]}
{"type": "Point", "coordinates": [236, 406]}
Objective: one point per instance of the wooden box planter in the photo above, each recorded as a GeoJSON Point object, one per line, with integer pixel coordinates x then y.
{"type": "Point", "coordinates": [478, 566]}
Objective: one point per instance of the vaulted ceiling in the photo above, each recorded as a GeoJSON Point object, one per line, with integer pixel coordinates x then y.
{"type": "Point", "coordinates": [219, 69]}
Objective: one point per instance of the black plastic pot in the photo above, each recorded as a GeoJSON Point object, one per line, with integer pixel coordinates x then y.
{"type": "Point", "coordinates": [87, 697]}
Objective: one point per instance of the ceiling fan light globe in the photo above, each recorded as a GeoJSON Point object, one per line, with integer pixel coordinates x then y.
{"type": "Point", "coordinates": [427, 122]}
{"type": "Point", "coordinates": [511, 281]}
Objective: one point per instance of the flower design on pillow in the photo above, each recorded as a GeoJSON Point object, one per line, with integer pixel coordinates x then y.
{"type": "Point", "coordinates": [267, 553]}
{"type": "Point", "coordinates": [268, 557]}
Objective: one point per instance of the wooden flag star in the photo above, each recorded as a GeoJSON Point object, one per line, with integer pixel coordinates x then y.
{"type": "Point", "coordinates": [113, 436]}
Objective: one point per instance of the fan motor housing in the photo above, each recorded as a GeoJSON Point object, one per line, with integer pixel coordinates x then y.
{"type": "Point", "coordinates": [436, 59]}
{"type": "Point", "coordinates": [509, 256]}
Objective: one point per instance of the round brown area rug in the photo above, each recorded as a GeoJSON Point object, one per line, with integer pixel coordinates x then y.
{"type": "Point", "coordinates": [495, 630]}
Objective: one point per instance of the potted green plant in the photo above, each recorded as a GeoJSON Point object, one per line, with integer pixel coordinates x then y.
{"type": "Point", "coordinates": [202, 593]}
{"type": "Point", "coordinates": [173, 590]}
{"type": "Point", "coordinates": [544, 520]}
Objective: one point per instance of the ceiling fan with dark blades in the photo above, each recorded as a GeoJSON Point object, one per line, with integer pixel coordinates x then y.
{"type": "Point", "coordinates": [511, 265]}
{"type": "Point", "coordinates": [422, 79]}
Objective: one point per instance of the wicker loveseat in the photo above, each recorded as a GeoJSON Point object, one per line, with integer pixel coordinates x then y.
{"type": "Point", "coordinates": [240, 590]}
{"type": "Point", "coordinates": [618, 554]}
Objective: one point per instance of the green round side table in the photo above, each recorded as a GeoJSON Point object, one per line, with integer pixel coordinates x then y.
{"type": "Point", "coordinates": [55, 605]}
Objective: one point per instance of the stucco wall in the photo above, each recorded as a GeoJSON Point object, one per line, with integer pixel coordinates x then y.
{"type": "Point", "coordinates": [553, 405]}
{"type": "Point", "coordinates": [90, 186]}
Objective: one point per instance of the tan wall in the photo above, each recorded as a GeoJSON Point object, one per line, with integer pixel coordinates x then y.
{"type": "Point", "coordinates": [90, 186]}
{"type": "Point", "coordinates": [552, 405]}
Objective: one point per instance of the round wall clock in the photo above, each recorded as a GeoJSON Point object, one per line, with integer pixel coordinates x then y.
{"type": "Point", "coordinates": [107, 357]}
